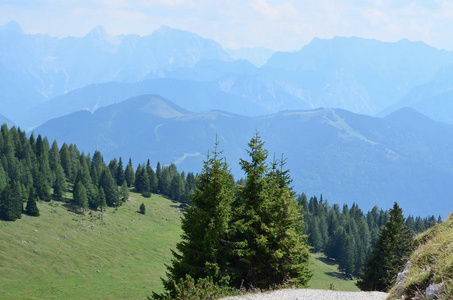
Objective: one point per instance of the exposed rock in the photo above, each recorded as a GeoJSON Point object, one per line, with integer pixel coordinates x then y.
{"type": "Point", "coordinates": [434, 290]}
{"type": "Point", "coordinates": [401, 278]}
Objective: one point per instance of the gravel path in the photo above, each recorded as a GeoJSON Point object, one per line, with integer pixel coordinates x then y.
{"type": "Point", "coordinates": [309, 294]}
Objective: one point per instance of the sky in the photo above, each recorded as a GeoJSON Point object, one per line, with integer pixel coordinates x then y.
{"type": "Point", "coordinates": [276, 24]}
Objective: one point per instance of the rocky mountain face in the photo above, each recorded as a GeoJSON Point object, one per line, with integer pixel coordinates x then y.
{"type": "Point", "coordinates": [434, 99]}
{"type": "Point", "coordinates": [35, 68]}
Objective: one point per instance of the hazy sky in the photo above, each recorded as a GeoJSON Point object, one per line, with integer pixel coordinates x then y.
{"type": "Point", "coordinates": [275, 24]}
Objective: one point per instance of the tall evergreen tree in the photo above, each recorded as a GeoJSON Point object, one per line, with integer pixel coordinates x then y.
{"type": "Point", "coordinates": [269, 221]}
{"type": "Point", "coordinates": [60, 186]}
{"type": "Point", "coordinates": [80, 196]}
{"type": "Point", "coordinates": [11, 204]}
{"type": "Point", "coordinates": [3, 178]}
{"type": "Point", "coordinates": [101, 199]}
{"type": "Point", "coordinates": [204, 249]}
{"type": "Point", "coordinates": [110, 189]}
{"type": "Point", "coordinates": [392, 250]}
{"type": "Point", "coordinates": [119, 175]}
{"type": "Point", "coordinates": [129, 174]}
{"type": "Point", "coordinates": [42, 187]}
{"type": "Point", "coordinates": [124, 192]}
{"type": "Point", "coordinates": [32, 208]}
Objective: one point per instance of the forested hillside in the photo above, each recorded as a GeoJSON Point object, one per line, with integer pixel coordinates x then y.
{"type": "Point", "coordinates": [31, 170]}
{"type": "Point", "coordinates": [348, 235]}
{"type": "Point", "coordinates": [347, 157]}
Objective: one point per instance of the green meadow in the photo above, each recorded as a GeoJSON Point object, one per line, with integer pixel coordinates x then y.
{"type": "Point", "coordinates": [113, 255]}
{"type": "Point", "coordinates": [64, 255]}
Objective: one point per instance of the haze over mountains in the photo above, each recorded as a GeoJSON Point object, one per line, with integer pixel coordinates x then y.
{"type": "Point", "coordinates": [315, 105]}
{"type": "Point", "coordinates": [345, 156]}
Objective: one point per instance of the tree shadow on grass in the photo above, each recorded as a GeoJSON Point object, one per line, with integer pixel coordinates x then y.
{"type": "Point", "coordinates": [338, 275]}
{"type": "Point", "coordinates": [327, 261]}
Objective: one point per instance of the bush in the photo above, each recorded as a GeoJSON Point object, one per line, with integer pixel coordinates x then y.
{"type": "Point", "coordinates": [146, 194]}
{"type": "Point", "coordinates": [204, 288]}
{"type": "Point", "coordinates": [142, 209]}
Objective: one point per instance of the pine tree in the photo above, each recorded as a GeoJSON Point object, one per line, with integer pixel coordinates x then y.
{"type": "Point", "coordinates": [11, 204]}
{"type": "Point", "coordinates": [42, 187]}
{"type": "Point", "coordinates": [270, 224]}
{"type": "Point", "coordinates": [3, 178]}
{"type": "Point", "coordinates": [129, 174]}
{"type": "Point", "coordinates": [60, 186]}
{"type": "Point", "coordinates": [124, 192]}
{"type": "Point", "coordinates": [205, 250]}
{"type": "Point", "coordinates": [142, 180]}
{"type": "Point", "coordinates": [289, 252]}
{"type": "Point", "coordinates": [65, 158]}
{"type": "Point", "coordinates": [111, 190]}
{"type": "Point", "coordinates": [177, 188]}
{"type": "Point", "coordinates": [120, 175]}
{"type": "Point", "coordinates": [392, 250]}
{"type": "Point", "coordinates": [32, 208]}
{"type": "Point", "coordinates": [101, 199]}
{"type": "Point", "coordinates": [80, 196]}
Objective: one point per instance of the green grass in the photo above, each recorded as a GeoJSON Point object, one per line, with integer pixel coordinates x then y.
{"type": "Point", "coordinates": [112, 255]}
{"type": "Point", "coordinates": [326, 275]}
{"type": "Point", "coordinates": [431, 262]}
{"type": "Point", "coordinates": [63, 255]}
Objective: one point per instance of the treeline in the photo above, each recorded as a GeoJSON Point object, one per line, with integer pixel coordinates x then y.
{"type": "Point", "coordinates": [347, 235]}
{"type": "Point", "coordinates": [33, 170]}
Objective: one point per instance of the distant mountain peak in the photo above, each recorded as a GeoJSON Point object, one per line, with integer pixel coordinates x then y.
{"type": "Point", "coordinates": [410, 115]}
{"type": "Point", "coordinates": [11, 27]}
{"type": "Point", "coordinates": [98, 32]}
{"type": "Point", "coordinates": [156, 105]}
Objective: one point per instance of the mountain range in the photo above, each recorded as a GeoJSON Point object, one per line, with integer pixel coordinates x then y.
{"type": "Point", "coordinates": [405, 157]}
{"type": "Point", "coordinates": [357, 119]}
{"type": "Point", "coordinates": [360, 75]}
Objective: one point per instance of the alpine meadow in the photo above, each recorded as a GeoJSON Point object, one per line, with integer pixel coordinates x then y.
{"type": "Point", "coordinates": [257, 149]}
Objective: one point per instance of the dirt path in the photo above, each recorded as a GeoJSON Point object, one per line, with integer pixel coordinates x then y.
{"type": "Point", "coordinates": [310, 294]}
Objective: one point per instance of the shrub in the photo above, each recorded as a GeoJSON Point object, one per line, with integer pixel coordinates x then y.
{"type": "Point", "coordinates": [142, 209]}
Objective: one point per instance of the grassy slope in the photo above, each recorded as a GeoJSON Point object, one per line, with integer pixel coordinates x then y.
{"type": "Point", "coordinates": [324, 275]}
{"type": "Point", "coordinates": [431, 262]}
{"type": "Point", "coordinates": [119, 254]}
{"type": "Point", "coordinates": [62, 255]}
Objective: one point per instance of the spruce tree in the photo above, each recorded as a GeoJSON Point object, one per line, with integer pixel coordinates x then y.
{"type": "Point", "coordinates": [119, 175]}
{"type": "Point", "coordinates": [289, 252]}
{"type": "Point", "coordinates": [42, 187]}
{"type": "Point", "coordinates": [269, 224]}
{"type": "Point", "coordinates": [11, 204]}
{"type": "Point", "coordinates": [80, 196]}
{"type": "Point", "coordinates": [129, 174]}
{"type": "Point", "coordinates": [32, 208]}
{"type": "Point", "coordinates": [124, 192]}
{"type": "Point", "coordinates": [60, 186]}
{"type": "Point", "coordinates": [392, 250]}
{"type": "Point", "coordinates": [205, 250]}
{"type": "Point", "coordinates": [110, 189]}
{"type": "Point", "coordinates": [101, 203]}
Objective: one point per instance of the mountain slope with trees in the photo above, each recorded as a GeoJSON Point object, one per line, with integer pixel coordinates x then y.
{"type": "Point", "coordinates": [346, 157]}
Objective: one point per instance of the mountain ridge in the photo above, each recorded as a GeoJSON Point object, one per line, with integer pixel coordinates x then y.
{"type": "Point", "coordinates": [345, 156]}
